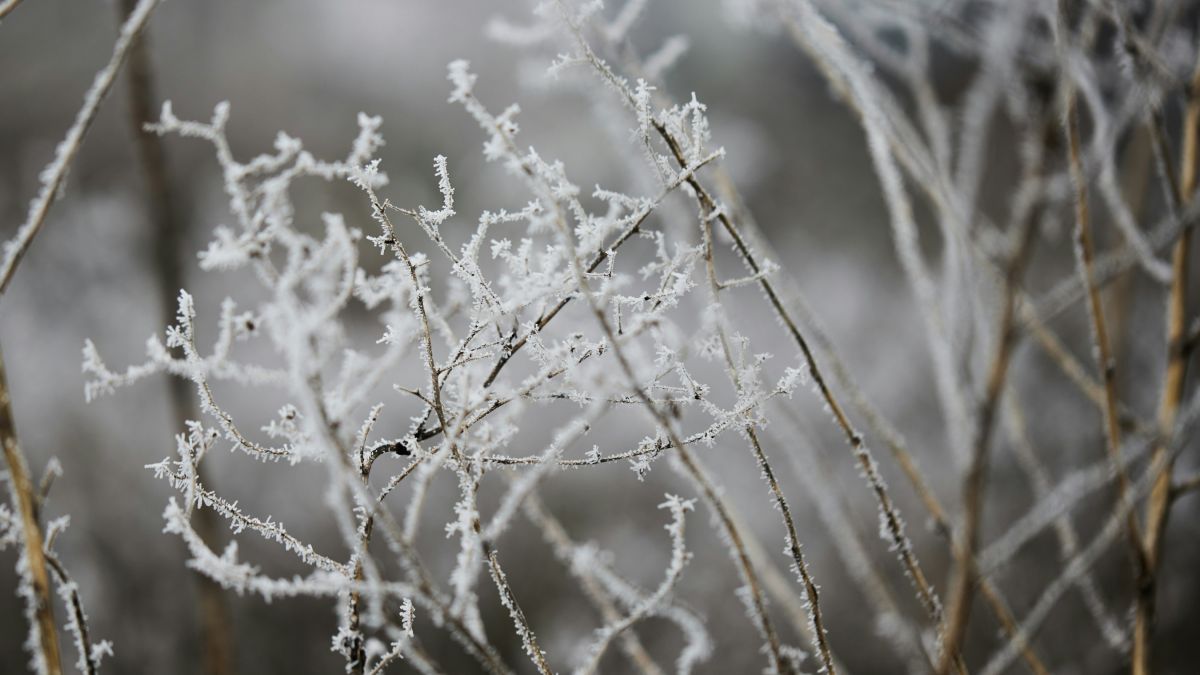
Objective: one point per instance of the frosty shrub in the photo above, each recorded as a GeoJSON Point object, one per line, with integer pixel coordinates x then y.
{"type": "Point", "coordinates": [406, 346]}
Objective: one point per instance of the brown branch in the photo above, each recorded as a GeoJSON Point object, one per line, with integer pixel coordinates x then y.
{"type": "Point", "coordinates": [7, 7]}
{"type": "Point", "coordinates": [24, 497]}
{"type": "Point", "coordinates": [1071, 367]}
{"type": "Point", "coordinates": [1085, 253]}
{"type": "Point", "coordinates": [75, 605]}
{"type": "Point", "coordinates": [1184, 486]}
{"type": "Point", "coordinates": [1159, 501]}
{"type": "Point", "coordinates": [973, 481]}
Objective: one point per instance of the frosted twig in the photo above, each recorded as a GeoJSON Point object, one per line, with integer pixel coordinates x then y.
{"type": "Point", "coordinates": [679, 558]}
{"type": "Point", "coordinates": [34, 586]}
{"type": "Point", "coordinates": [55, 173]}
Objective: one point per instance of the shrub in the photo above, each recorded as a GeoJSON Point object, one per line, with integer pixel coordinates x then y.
{"type": "Point", "coordinates": [404, 349]}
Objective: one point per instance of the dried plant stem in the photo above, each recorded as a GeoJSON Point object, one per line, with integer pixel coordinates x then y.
{"type": "Point", "coordinates": [892, 519]}
{"type": "Point", "coordinates": [817, 629]}
{"type": "Point", "coordinates": [1070, 366]}
{"type": "Point", "coordinates": [75, 605]}
{"type": "Point", "coordinates": [56, 173]}
{"type": "Point", "coordinates": [1159, 501]}
{"type": "Point", "coordinates": [518, 615]}
{"type": "Point", "coordinates": [715, 502]}
{"type": "Point", "coordinates": [912, 566]}
{"type": "Point", "coordinates": [1085, 254]}
{"type": "Point", "coordinates": [908, 558]}
{"type": "Point", "coordinates": [556, 536]}
{"type": "Point", "coordinates": [31, 532]}
{"type": "Point", "coordinates": [779, 586]}
{"type": "Point", "coordinates": [1184, 486]}
{"type": "Point", "coordinates": [833, 509]}
{"type": "Point", "coordinates": [973, 481]}
{"type": "Point", "coordinates": [897, 448]}
{"type": "Point", "coordinates": [8, 6]}
{"type": "Point", "coordinates": [708, 205]}
{"type": "Point", "coordinates": [1104, 355]}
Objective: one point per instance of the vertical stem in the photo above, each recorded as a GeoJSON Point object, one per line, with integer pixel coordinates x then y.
{"type": "Point", "coordinates": [1160, 494]}
{"type": "Point", "coordinates": [1085, 248]}
{"type": "Point", "coordinates": [973, 481]}
{"type": "Point", "coordinates": [1085, 252]}
{"type": "Point", "coordinates": [26, 503]}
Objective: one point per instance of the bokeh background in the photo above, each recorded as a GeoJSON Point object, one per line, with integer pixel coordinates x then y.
{"type": "Point", "coordinates": [308, 67]}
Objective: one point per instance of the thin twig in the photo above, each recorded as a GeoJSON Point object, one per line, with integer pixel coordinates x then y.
{"type": "Point", "coordinates": [1085, 255]}
{"type": "Point", "coordinates": [79, 617]}
{"type": "Point", "coordinates": [8, 6]}
{"type": "Point", "coordinates": [556, 536]}
{"type": "Point", "coordinates": [973, 480]}
{"type": "Point", "coordinates": [1159, 502]}
{"type": "Point", "coordinates": [55, 174]}
{"type": "Point", "coordinates": [1185, 485]}
{"type": "Point", "coordinates": [24, 497]}
{"type": "Point", "coordinates": [792, 540]}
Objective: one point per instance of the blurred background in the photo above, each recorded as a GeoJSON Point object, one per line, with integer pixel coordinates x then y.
{"type": "Point", "coordinates": [307, 68]}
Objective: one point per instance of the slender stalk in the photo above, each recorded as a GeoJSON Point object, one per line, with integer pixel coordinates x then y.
{"type": "Point", "coordinates": [811, 594]}
{"type": "Point", "coordinates": [1182, 487]}
{"type": "Point", "coordinates": [896, 445]}
{"type": "Point", "coordinates": [1159, 501]}
{"type": "Point", "coordinates": [8, 6]}
{"type": "Point", "coordinates": [973, 480]}
{"type": "Point", "coordinates": [1085, 254]}
{"type": "Point", "coordinates": [26, 503]}
{"type": "Point", "coordinates": [556, 536]}
{"type": "Point", "coordinates": [56, 173]}
{"type": "Point", "coordinates": [75, 605]}
{"type": "Point", "coordinates": [892, 519]}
